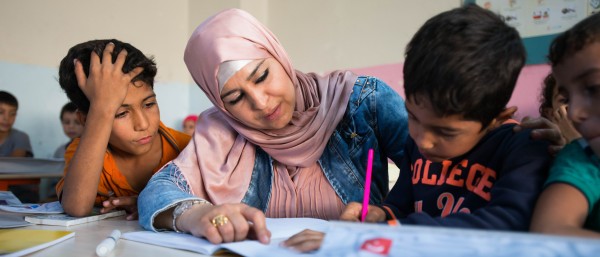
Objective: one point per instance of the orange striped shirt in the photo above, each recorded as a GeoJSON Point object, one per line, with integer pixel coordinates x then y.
{"type": "Point", "coordinates": [112, 179]}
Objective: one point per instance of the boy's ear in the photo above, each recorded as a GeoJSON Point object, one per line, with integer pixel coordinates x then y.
{"type": "Point", "coordinates": [504, 116]}
{"type": "Point", "coordinates": [81, 117]}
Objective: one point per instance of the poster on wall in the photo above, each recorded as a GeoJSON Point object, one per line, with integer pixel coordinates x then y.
{"type": "Point", "coordinates": [534, 18]}
{"type": "Point", "coordinates": [540, 21]}
{"type": "Point", "coordinates": [593, 7]}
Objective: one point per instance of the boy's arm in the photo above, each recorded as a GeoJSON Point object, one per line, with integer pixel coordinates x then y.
{"type": "Point", "coordinates": [18, 153]}
{"type": "Point", "coordinates": [83, 174]}
{"type": "Point", "coordinates": [400, 200]}
{"type": "Point", "coordinates": [550, 215]}
{"type": "Point", "coordinates": [513, 195]}
{"type": "Point", "coordinates": [106, 89]}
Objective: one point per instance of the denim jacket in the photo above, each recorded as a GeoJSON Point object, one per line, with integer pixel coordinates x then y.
{"type": "Point", "coordinates": [375, 118]}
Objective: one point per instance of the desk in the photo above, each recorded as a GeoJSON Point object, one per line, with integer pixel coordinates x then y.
{"type": "Point", "coordinates": [21, 171]}
{"type": "Point", "coordinates": [7, 180]}
{"type": "Point", "coordinates": [88, 235]}
{"type": "Point", "coordinates": [342, 240]}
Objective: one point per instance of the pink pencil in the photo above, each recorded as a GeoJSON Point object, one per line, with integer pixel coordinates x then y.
{"type": "Point", "coordinates": [365, 204]}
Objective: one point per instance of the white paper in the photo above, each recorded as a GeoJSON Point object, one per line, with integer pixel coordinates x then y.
{"type": "Point", "coordinates": [8, 198]}
{"type": "Point", "coordinates": [47, 208]}
{"type": "Point", "coordinates": [281, 229]}
{"type": "Point", "coordinates": [348, 239]}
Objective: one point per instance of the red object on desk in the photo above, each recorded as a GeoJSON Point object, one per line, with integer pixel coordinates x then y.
{"type": "Point", "coordinates": [5, 183]}
{"type": "Point", "coordinates": [378, 245]}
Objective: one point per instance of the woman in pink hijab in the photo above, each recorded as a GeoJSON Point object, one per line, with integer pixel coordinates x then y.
{"type": "Point", "coordinates": [277, 143]}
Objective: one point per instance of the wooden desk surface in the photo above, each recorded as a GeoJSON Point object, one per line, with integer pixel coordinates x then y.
{"type": "Point", "coordinates": [18, 168]}
{"type": "Point", "coordinates": [89, 235]}
{"type": "Point", "coordinates": [413, 241]}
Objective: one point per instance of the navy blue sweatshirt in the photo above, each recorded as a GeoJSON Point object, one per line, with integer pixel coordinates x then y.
{"type": "Point", "coordinates": [493, 186]}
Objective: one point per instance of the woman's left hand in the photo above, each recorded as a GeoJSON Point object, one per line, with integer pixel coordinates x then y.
{"type": "Point", "coordinates": [127, 203]}
{"type": "Point", "coordinates": [305, 241]}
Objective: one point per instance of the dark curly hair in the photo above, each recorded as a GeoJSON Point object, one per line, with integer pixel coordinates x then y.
{"type": "Point", "coordinates": [547, 94]}
{"type": "Point", "coordinates": [574, 39]}
{"type": "Point", "coordinates": [8, 98]}
{"type": "Point", "coordinates": [66, 71]}
{"type": "Point", "coordinates": [68, 107]}
{"type": "Point", "coordinates": [465, 61]}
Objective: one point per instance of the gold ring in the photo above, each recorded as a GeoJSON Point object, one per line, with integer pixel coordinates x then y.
{"type": "Point", "coordinates": [219, 220]}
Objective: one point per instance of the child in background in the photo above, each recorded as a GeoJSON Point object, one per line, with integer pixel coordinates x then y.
{"type": "Point", "coordinates": [554, 108]}
{"type": "Point", "coordinates": [123, 141]}
{"type": "Point", "coordinates": [189, 124]}
{"type": "Point", "coordinates": [71, 127]}
{"type": "Point", "coordinates": [13, 142]}
{"type": "Point", "coordinates": [570, 203]}
{"type": "Point", "coordinates": [463, 166]}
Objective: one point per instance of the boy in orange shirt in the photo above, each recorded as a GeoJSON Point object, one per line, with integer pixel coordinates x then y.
{"type": "Point", "coordinates": [123, 141]}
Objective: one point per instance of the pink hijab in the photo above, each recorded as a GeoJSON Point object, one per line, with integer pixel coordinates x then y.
{"type": "Point", "coordinates": [219, 160]}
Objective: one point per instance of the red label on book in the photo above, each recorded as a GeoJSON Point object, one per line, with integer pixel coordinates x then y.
{"type": "Point", "coordinates": [377, 245]}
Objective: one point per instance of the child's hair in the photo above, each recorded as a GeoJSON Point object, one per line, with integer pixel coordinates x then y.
{"type": "Point", "coordinates": [574, 39]}
{"type": "Point", "coordinates": [8, 98]}
{"type": "Point", "coordinates": [68, 107]}
{"type": "Point", "coordinates": [66, 72]}
{"type": "Point", "coordinates": [466, 61]}
{"type": "Point", "coordinates": [191, 117]}
{"type": "Point", "coordinates": [547, 96]}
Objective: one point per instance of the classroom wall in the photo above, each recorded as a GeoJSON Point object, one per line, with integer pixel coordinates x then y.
{"type": "Point", "coordinates": [526, 95]}
{"type": "Point", "coordinates": [320, 36]}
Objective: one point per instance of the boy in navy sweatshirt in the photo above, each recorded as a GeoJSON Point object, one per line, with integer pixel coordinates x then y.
{"type": "Point", "coordinates": [463, 166]}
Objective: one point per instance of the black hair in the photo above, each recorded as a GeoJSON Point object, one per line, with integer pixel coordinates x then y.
{"type": "Point", "coordinates": [68, 107]}
{"type": "Point", "coordinates": [574, 39]}
{"type": "Point", "coordinates": [547, 95]}
{"type": "Point", "coordinates": [66, 72]}
{"type": "Point", "coordinates": [8, 98]}
{"type": "Point", "coordinates": [465, 61]}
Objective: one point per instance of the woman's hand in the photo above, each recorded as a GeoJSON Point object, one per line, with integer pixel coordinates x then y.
{"type": "Point", "coordinates": [305, 241]}
{"type": "Point", "coordinates": [127, 203]}
{"type": "Point", "coordinates": [107, 84]}
{"type": "Point", "coordinates": [240, 222]}
{"type": "Point", "coordinates": [353, 211]}
{"type": "Point", "coordinates": [310, 240]}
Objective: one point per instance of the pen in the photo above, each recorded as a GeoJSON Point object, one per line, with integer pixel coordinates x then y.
{"type": "Point", "coordinates": [365, 205]}
{"type": "Point", "coordinates": [108, 244]}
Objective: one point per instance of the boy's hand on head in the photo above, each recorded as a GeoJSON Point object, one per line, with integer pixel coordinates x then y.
{"type": "Point", "coordinates": [305, 241]}
{"type": "Point", "coordinates": [353, 211]}
{"type": "Point", "coordinates": [107, 84]}
{"type": "Point", "coordinates": [127, 203]}
{"type": "Point", "coordinates": [543, 129]}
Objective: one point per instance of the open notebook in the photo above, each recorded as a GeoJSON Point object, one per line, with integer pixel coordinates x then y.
{"type": "Point", "coordinates": [281, 229]}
